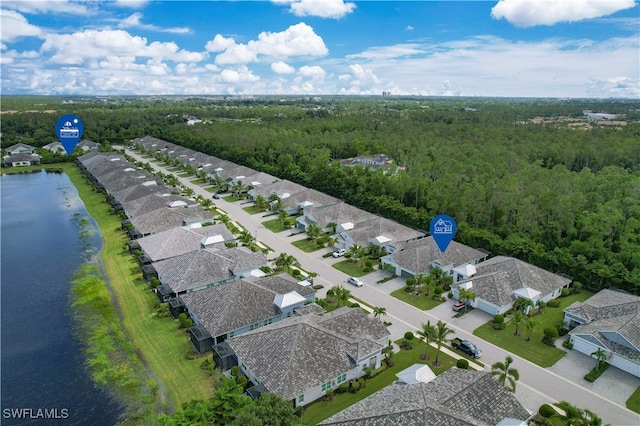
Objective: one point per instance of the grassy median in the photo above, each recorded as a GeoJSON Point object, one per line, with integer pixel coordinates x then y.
{"type": "Point", "coordinates": [162, 346]}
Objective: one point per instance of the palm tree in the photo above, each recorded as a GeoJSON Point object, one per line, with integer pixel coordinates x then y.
{"type": "Point", "coordinates": [441, 333]}
{"type": "Point", "coordinates": [354, 250]}
{"type": "Point", "coordinates": [423, 280]}
{"type": "Point", "coordinates": [578, 417]}
{"type": "Point", "coordinates": [331, 226]}
{"type": "Point", "coordinates": [466, 295]}
{"type": "Point", "coordinates": [530, 325]}
{"type": "Point", "coordinates": [313, 231]}
{"type": "Point", "coordinates": [332, 241]}
{"type": "Point", "coordinates": [342, 294]}
{"type": "Point", "coordinates": [507, 376]}
{"type": "Point", "coordinates": [285, 261]}
{"type": "Point", "coordinates": [523, 305]}
{"type": "Point", "coordinates": [261, 203]}
{"type": "Point", "coordinates": [427, 333]}
{"type": "Point", "coordinates": [245, 237]}
{"type": "Point", "coordinates": [541, 304]}
{"type": "Point", "coordinates": [601, 356]}
{"type": "Point", "coordinates": [379, 312]}
{"type": "Point", "coordinates": [517, 320]}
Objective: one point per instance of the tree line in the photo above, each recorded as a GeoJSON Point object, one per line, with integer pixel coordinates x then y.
{"type": "Point", "coordinates": [560, 198]}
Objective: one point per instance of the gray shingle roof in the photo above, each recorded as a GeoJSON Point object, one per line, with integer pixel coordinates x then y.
{"type": "Point", "coordinates": [455, 397]}
{"type": "Point", "coordinates": [203, 267]}
{"type": "Point", "coordinates": [167, 217]}
{"type": "Point", "coordinates": [228, 307]}
{"type": "Point", "coordinates": [153, 202]}
{"type": "Point", "coordinates": [138, 191]}
{"type": "Point", "coordinates": [317, 198]}
{"type": "Point", "coordinates": [498, 277]}
{"type": "Point", "coordinates": [299, 353]}
{"type": "Point", "coordinates": [417, 256]}
{"type": "Point", "coordinates": [180, 240]}
{"type": "Point", "coordinates": [337, 213]}
{"type": "Point", "coordinates": [279, 188]}
{"type": "Point", "coordinates": [397, 234]}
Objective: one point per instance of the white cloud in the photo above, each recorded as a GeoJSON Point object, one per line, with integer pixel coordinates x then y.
{"type": "Point", "coordinates": [390, 52]}
{"type": "Point", "coordinates": [409, 28]}
{"type": "Point", "coordinates": [240, 75]}
{"type": "Point", "coordinates": [314, 71]}
{"type": "Point", "coordinates": [83, 46]}
{"type": "Point", "coordinates": [132, 4]}
{"type": "Point", "coordinates": [14, 26]}
{"type": "Point", "coordinates": [282, 68]}
{"type": "Point", "coordinates": [297, 40]}
{"type": "Point", "coordinates": [133, 21]}
{"type": "Point", "coordinates": [49, 6]}
{"type": "Point", "coordinates": [334, 9]}
{"type": "Point", "coordinates": [529, 13]}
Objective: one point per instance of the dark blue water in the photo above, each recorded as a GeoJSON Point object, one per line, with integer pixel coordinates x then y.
{"type": "Point", "coordinates": [46, 235]}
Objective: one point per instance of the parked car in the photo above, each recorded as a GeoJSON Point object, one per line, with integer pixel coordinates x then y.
{"type": "Point", "coordinates": [339, 252]}
{"type": "Point", "coordinates": [355, 281]}
{"type": "Point", "coordinates": [466, 347]}
{"type": "Point", "coordinates": [458, 306]}
{"type": "Point", "coordinates": [216, 197]}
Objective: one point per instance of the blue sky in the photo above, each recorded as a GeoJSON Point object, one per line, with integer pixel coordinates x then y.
{"type": "Point", "coordinates": [529, 48]}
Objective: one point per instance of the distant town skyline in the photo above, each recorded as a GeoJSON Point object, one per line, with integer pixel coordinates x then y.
{"type": "Point", "coordinates": [505, 48]}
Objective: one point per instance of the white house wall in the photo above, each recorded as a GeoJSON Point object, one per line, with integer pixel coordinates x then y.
{"type": "Point", "coordinates": [586, 347]}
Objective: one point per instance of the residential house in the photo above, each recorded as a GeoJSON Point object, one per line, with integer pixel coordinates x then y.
{"type": "Point", "coordinates": [237, 307]}
{"type": "Point", "coordinates": [169, 217]}
{"type": "Point", "coordinates": [184, 239]}
{"type": "Point", "coordinates": [55, 147]}
{"type": "Point", "coordinates": [153, 202]}
{"type": "Point", "coordinates": [420, 255]}
{"type": "Point", "coordinates": [499, 281]}
{"type": "Point", "coordinates": [456, 397]}
{"type": "Point", "coordinates": [306, 199]}
{"type": "Point", "coordinates": [343, 215]}
{"type": "Point", "coordinates": [301, 357]}
{"type": "Point", "coordinates": [283, 189]}
{"type": "Point", "coordinates": [19, 160]}
{"type": "Point", "coordinates": [20, 148]}
{"type": "Point", "coordinates": [204, 268]}
{"type": "Point", "coordinates": [374, 162]}
{"type": "Point", "coordinates": [385, 233]}
{"type": "Point", "coordinates": [610, 321]}
{"type": "Point", "coordinates": [86, 145]}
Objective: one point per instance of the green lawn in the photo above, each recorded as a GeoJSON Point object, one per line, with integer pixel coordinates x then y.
{"type": "Point", "coordinates": [420, 301]}
{"type": "Point", "coordinates": [252, 210]}
{"type": "Point", "coordinates": [533, 350]}
{"type": "Point", "coordinates": [306, 245]}
{"type": "Point", "coordinates": [162, 346]}
{"type": "Point", "coordinates": [321, 410]}
{"type": "Point", "coordinates": [199, 181]}
{"type": "Point", "coordinates": [350, 268]}
{"type": "Point", "coordinates": [274, 225]}
{"type": "Point", "coordinates": [184, 174]}
{"type": "Point", "coordinates": [633, 403]}
{"type": "Point", "coordinates": [232, 198]}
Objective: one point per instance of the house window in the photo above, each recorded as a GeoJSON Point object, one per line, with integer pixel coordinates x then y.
{"type": "Point", "coordinates": [342, 378]}
{"type": "Point", "coordinates": [326, 386]}
{"type": "Point", "coordinates": [364, 366]}
{"type": "Point", "coordinates": [301, 398]}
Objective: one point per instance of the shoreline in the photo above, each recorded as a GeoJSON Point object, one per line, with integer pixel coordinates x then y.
{"type": "Point", "coordinates": [157, 342]}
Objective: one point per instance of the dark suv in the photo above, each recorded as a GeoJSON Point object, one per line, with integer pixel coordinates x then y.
{"type": "Point", "coordinates": [467, 347]}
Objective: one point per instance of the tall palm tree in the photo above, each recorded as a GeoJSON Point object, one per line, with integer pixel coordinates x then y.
{"type": "Point", "coordinates": [601, 356]}
{"type": "Point", "coordinates": [506, 375]}
{"type": "Point", "coordinates": [422, 281]}
{"type": "Point", "coordinates": [313, 231]}
{"type": "Point", "coordinates": [354, 250]}
{"type": "Point", "coordinates": [261, 203]}
{"type": "Point", "coordinates": [442, 331]}
{"type": "Point", "coordinates": [379, 312]}
{"type": "Point", "coordinates": [342, 294]}
{"type": "Point", "coordinates": [245, 237]}
{"type": "Point", "coordinates": [517, 320]}
{"type": "Point", "coordinates": [466, 295]}
{"type": "Point", "coordinates": [427, 334]}
{"type": "Point", "coordinates": [331, 226]}
{"type": "Point", "coordinates": [577, 416]}
{"type": "Point", "coordinates": [530, 325]}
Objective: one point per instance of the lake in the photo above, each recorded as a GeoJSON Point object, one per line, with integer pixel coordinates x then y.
{"type": "Point", "coordinates": [46, 234]}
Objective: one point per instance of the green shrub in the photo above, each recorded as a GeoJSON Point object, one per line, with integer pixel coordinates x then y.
{"type": "Point", "coordinates": [438, 290]}
{"type": "Point", "coordinates": [355, 387]}
{"type": "Point", "coordinates": [208, 364]}
{"type": "Point", "coordinates": [328, 395]}
{"type": "Point", "coordinates": [355, 305]}
{"type": "Point", "coordinates": [567, 344]}
{"type": "Point", "coordinates": [565, 292]}
{"type": "Point", "coordinates": [553, 303]}
{"type": "Point", "coordinates": [154, 282]}
{"type": "Point", "coordinates": [190, 354]}
{"type": "Point", "coordinates": [550, 335]}
{"type": "Point", "coordinates": [344, 387]}
{"type": "Point", "coordinates": [498, 319]}
{"type": "Point", "coordinates": [576, 287]}
{"type": "Point", "coordinates": [296, 273]}
{"type": "Point", "coordinates": [406, 344]}
{"type": "Point", "coordinates": [242, 381]}
{"type": "Point", "coordinates": [596, 372]}
{"type": "Point", "coordinates": [450, 295]}
{"type": "Point", "coordinates": [235, 371]}
{"type": "Point", "coordinates": [368, 263]}
{"type": "Point", "coordinates": [409, 335]}
{"type": "Point", "coordinates": [462, 363]}
{"type": "Point", "coordinates": [410, 282]}
{"type": "Point", "coordinates": [163, 310]}
{"type": "Point", "coordinates": [546, 411]}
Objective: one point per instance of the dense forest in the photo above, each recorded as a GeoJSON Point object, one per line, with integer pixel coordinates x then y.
{"type": "Point", "coordinates": [531, 178]}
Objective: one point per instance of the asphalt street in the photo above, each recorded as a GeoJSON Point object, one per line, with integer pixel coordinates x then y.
{"type": "Point", "coordinates": [536, 386]}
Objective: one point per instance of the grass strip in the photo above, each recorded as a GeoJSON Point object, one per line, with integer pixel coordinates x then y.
{"type": "Point", "coordinates": [158, 340]}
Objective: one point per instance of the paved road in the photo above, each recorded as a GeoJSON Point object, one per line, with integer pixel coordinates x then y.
{"type": "Point", "coordinates": [536, 385]}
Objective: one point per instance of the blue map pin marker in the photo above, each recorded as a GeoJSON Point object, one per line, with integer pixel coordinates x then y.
{"type": "Point", "coordinates": [443, 228]}
{"type": "Point", "coordinates": [69, 129]}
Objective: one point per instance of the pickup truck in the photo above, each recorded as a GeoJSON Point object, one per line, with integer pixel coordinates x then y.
{"type": "Point", "coordinates": [466, 347]}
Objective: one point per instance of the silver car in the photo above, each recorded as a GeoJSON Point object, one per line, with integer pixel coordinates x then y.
{"type": "Point", "coordinates": [355, 281]}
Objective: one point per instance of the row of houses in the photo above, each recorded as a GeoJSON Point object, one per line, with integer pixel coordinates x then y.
{"type": "Point", "coordinates": [21, 154]}
{"type": "Point", "coordinates": [267, 325]}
